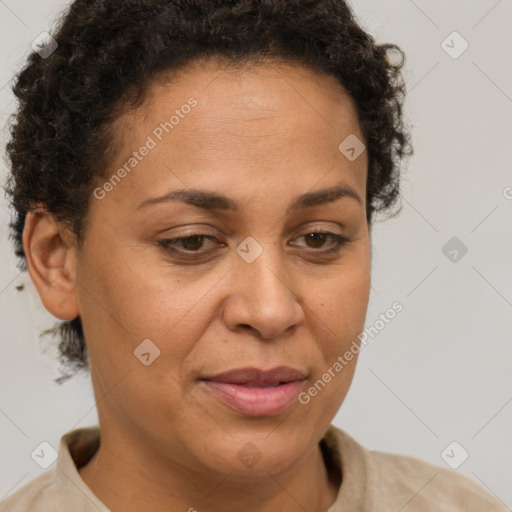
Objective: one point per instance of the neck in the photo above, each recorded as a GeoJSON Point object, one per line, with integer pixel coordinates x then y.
{"type": "Point", "coordinates": [133, 479]}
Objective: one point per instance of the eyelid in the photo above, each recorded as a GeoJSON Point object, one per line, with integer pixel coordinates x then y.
{"type": "Point", "coordinates": [190, 235]}
{"type": "Point", "coordinates": [198, 231]}
{"type": "Point", "coordinates": [333, 249]}
{"type": "Point", "coordinates": [205, 232]}
{"type": "Point", "coordinates": [340, 241]}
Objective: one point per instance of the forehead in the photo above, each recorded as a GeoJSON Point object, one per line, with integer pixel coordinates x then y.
{"type": "Point", "coordinates": [212, 123]}
{"type": "Point", "coordinates": [249, 91]}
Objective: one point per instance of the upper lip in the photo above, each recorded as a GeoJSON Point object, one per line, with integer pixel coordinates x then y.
{"type": "Point", "coordinates": [253, 375]}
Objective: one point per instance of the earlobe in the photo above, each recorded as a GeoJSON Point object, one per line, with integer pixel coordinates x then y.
{"type": "Point", "coordinates": [51, 260]}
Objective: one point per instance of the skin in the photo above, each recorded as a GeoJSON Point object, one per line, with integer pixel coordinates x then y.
{"type": "Point", "coordinates": [261, 135]}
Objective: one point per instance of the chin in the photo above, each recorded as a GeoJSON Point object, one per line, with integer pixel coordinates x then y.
{"type": "Point", "coordinates": [255, 455]}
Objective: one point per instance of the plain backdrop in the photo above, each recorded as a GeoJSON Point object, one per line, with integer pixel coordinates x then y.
{"type": "Point", "coordinates": [440, 371]}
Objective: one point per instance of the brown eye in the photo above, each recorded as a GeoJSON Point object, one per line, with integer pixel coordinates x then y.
{"type": "Point", "coordinates": [316, 240]}
{"type": "Point", "coordinates": [188, 244]}
{"type": "Point", "coordinates": [192, 243]}
{"type": "Point", "coordinates": [322, 242]}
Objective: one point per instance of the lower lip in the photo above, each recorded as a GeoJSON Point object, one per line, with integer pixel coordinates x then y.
{"type": "Point", "coordinates": [255, 401]}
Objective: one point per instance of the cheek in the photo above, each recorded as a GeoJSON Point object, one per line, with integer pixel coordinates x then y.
{"type": "Point", "coordinates": [339, 316]}
{"type": "Point", "coordinates": [341, 303]}
{"type": "Point", "coordinates": [144, 298]}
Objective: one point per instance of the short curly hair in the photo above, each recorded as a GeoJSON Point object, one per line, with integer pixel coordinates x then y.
{"type": "Point", "coordinates": [110, 51]}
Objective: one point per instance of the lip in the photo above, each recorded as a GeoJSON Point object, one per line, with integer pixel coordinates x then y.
{"type": "Point", "coordinates": [257, 392]}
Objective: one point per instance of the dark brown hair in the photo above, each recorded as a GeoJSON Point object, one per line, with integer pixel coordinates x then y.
{"type": "Point", "coordinates": [109, 51]}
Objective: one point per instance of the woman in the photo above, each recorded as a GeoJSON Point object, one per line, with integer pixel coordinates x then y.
{"type": "Point", "coordinates": [195, 183]}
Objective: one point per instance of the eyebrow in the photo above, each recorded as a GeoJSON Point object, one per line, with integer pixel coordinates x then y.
{"type": "Point", "coordinates": [215, 201]}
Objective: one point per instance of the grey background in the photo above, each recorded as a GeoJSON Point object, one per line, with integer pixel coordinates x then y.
{"type": "Point", "coordinates": [440, 371]}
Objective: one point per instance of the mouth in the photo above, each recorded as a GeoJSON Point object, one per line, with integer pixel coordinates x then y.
{"type": "Point", "coordinates": [256, 392]}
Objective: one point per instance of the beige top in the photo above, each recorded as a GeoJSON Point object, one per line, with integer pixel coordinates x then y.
{"type": "Point", "coordinates": [372, 481]}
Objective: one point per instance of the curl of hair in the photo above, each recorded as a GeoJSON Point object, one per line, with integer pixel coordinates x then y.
{"type": "Point", "coordinates": [110, 51]}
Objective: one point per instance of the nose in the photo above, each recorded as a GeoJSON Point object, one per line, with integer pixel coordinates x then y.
{"type": "Point", "coordinates": [262, 298]}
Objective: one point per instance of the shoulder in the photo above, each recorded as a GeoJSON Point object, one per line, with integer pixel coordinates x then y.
{"type": "Point", "coordinates": [61, 487]}
{"type": "Point", "coordinates": [390, 481]}
{"type": "Point", "coordinates": [34, 496]}
{"type": "Point", "coordinates": [426, 485]}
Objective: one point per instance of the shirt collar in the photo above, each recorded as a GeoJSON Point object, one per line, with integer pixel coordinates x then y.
{"type": "Point", "coordinates": [343, 454]}
{"type": "Point", "coordinates": [75, 449]}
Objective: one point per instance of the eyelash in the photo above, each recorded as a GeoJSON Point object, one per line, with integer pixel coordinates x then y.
{"type": "Point", "coordinates": [340, 242]}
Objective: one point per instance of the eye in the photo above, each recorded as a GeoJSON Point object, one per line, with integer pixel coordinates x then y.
{"type": "Point", "coordinates": [318, 240]}
{"type": "Point", "coordinates": [199, 245]}
{"type": "Point", "coordinates": [190, 244]}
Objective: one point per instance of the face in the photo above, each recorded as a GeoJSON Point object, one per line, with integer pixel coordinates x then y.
{"type": "Point", "coordinates": [227, 268]}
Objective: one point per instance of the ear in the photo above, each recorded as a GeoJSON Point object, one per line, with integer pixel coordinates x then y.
{"type": "Point", "coordinates": [50, 252]}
